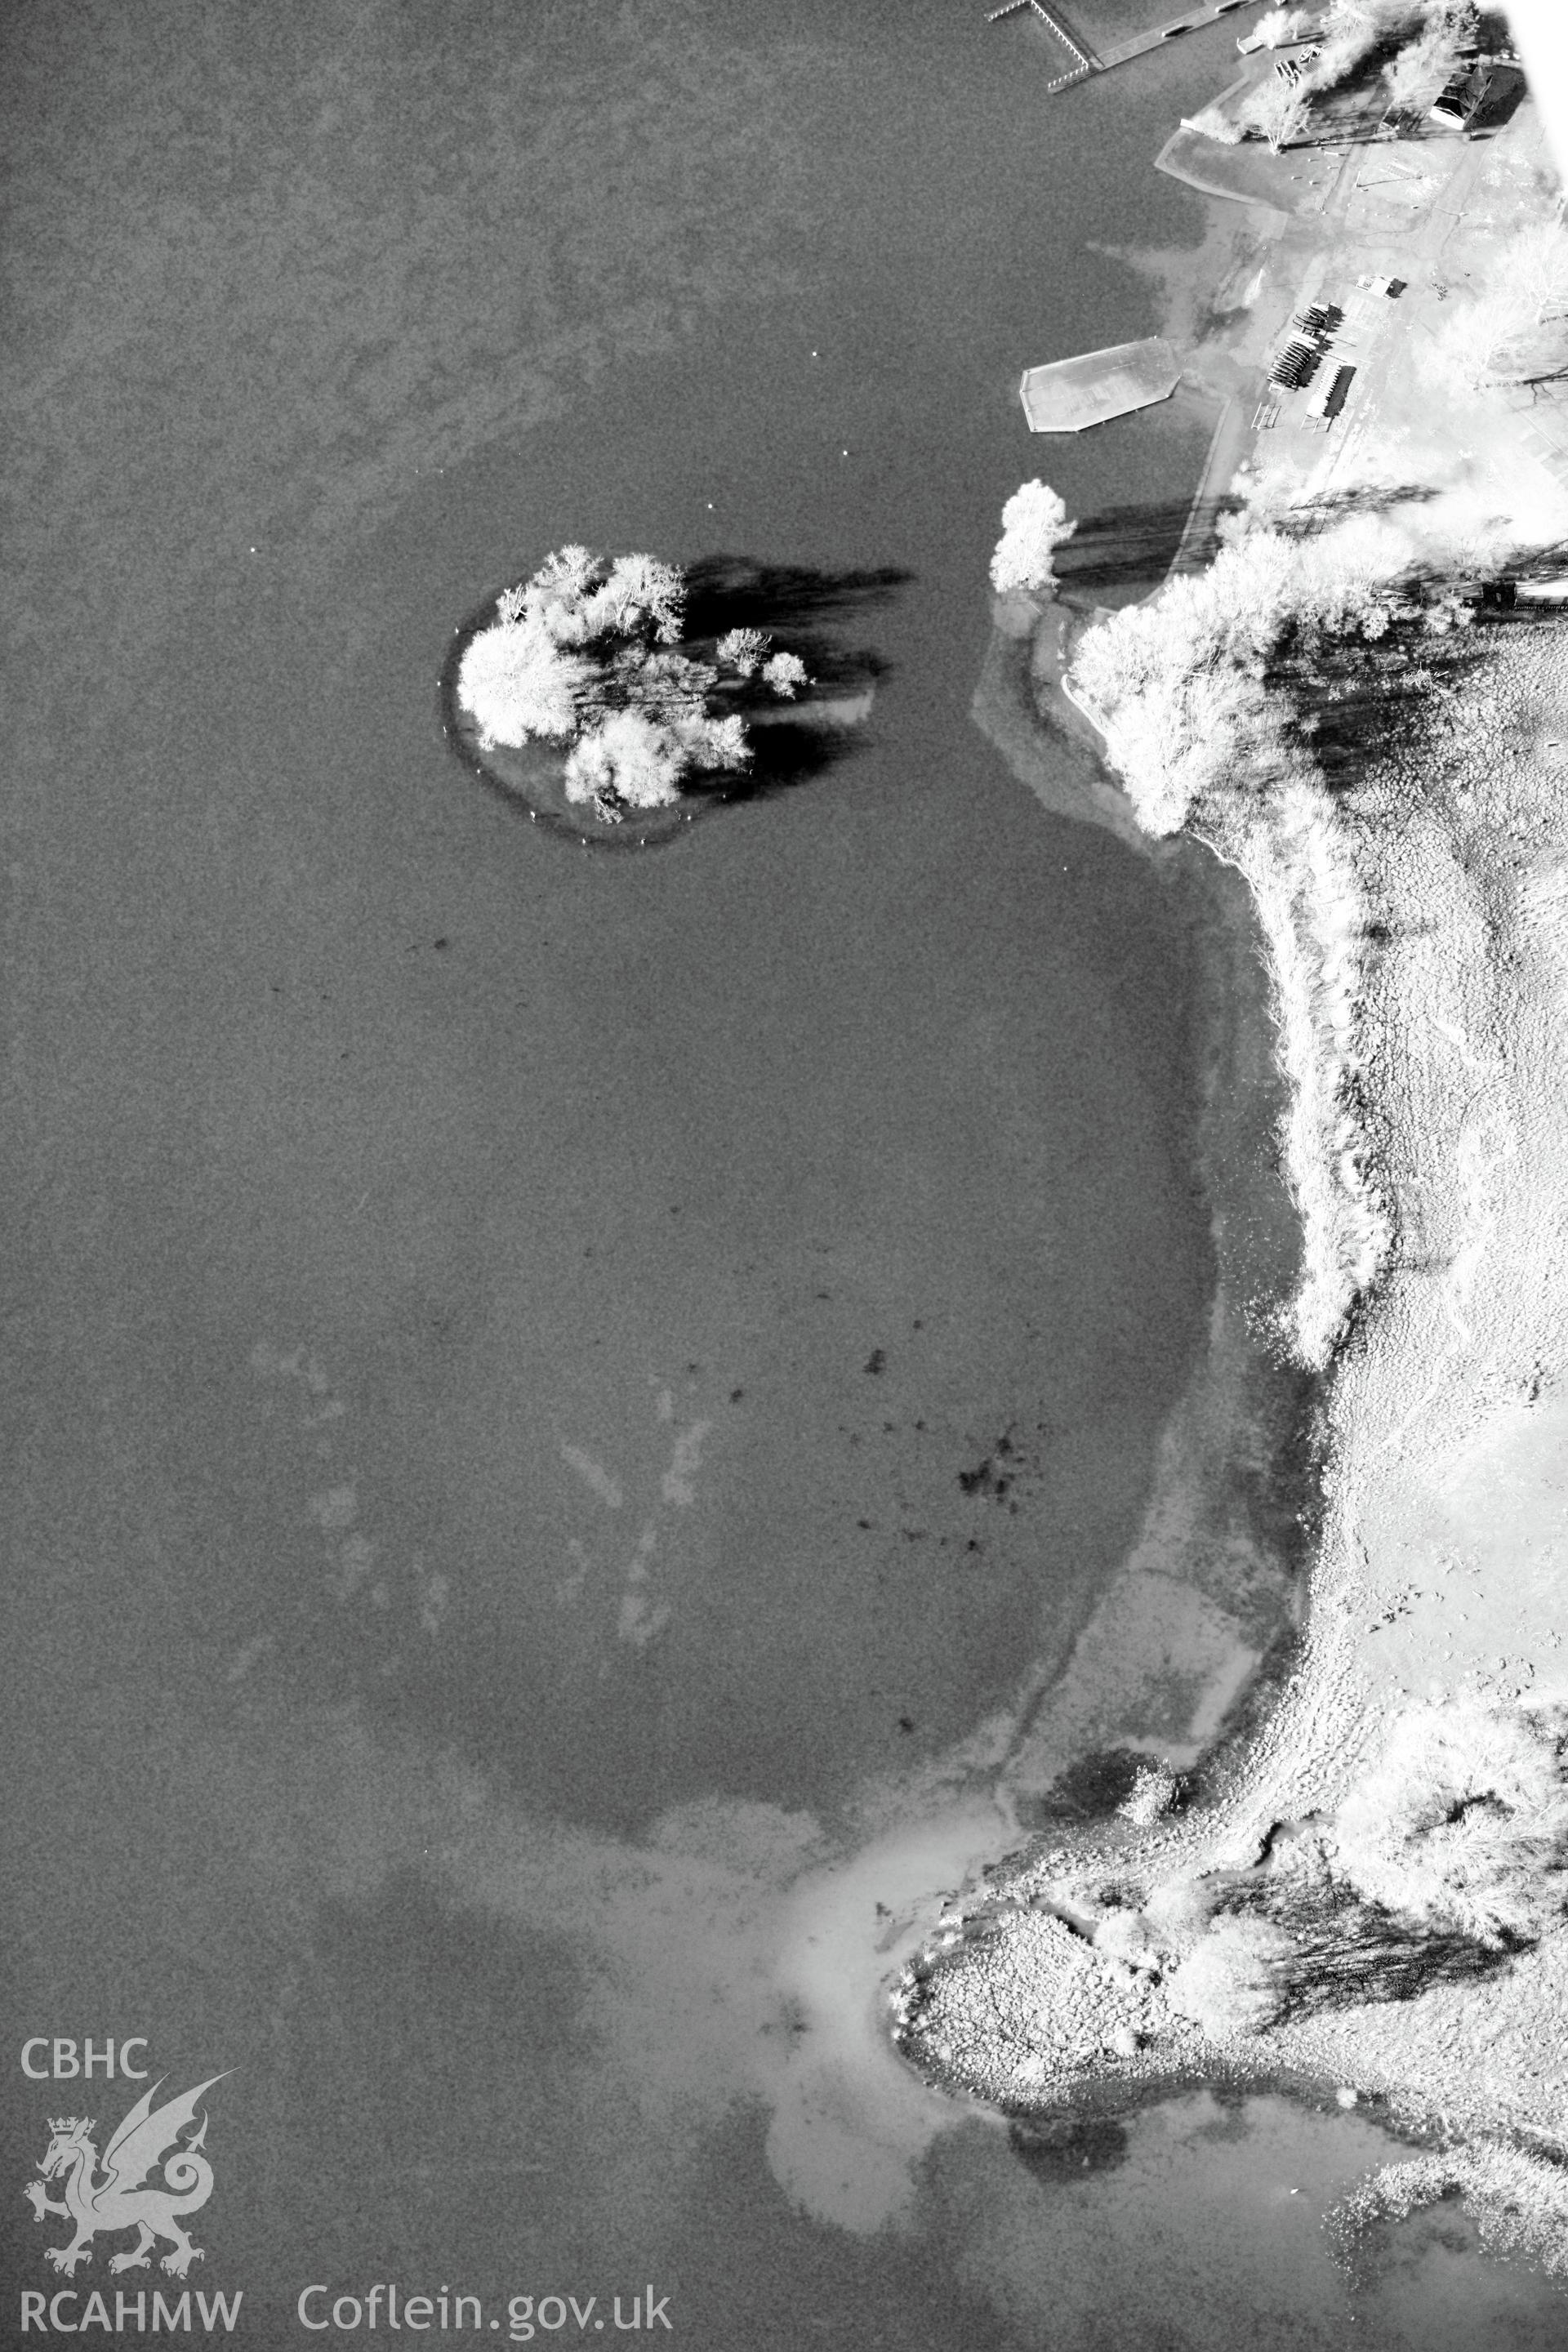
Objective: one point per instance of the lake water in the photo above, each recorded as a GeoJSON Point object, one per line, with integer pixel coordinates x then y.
{"type": "Point", "coordinates": [506, 1636]}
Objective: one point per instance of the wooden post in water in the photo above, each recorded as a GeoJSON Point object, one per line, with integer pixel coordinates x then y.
{"type": "Point", "coordinates": [1087, 61]}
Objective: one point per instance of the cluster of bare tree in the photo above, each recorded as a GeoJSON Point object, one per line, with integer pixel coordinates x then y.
{"type": "Point", "coordinates": [584, 655]}
{"type": "Point", "coordinates": [1414, 78]}
{"type": "Point", "coordinates": [1426, 36]}
{"type": "Point", "coordinates": [1277, 27]}
{"type": "Point", "coordinates": [1354, 31]}
{"type": "Point", "coordinates": [1177, 685]}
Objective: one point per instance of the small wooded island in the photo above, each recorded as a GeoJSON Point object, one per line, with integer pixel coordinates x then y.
{"type": "Point", "coordinates": [582, 693]}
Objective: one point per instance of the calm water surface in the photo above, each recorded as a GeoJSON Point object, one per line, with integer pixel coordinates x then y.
{"type": "Point", "coordinates": [504, 1333]}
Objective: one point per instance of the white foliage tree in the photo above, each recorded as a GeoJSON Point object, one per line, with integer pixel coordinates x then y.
{"type": "Point", "coordinates": [1180, 687]}
{"type": "Point", "coordinates": [1177, 683]}
{"type": "Point", "coordinates": [1469, 350]}
{"type": "Point", "coordinates": [1415, 77]}
{"type": "Point", "coordinates": [744, 650]}
{"type": "Point", "coordinates": [627, 760]}
{"type": "Point", "coordinates": [632, 759]}
{"type": "Point", "coordinates": [1492, 338]}
{"type": "Point", "coordinates": [1231, 1981]}
{"type": "Point", "coordinates": [785, 673]}
{"type": "Point", "coordinates": [1153, 1793]}
{"type": "Point", "coordinates": [1533, 265]}
{"type": "Point", "coordinates": [721, 743]}
{"type": "Point", "coordinates": [1354, 29]}
{"type": "Point", "coordinates": [518, 685]}
{"type": "Point", "coordinates": [1281, 26]}
{"type": "Point", "coordinates": [1214, 122]}
{"type": "Point", "coordinates": [641, 594]}
{"type": "Point", "coordinates": [1034, 525]}
{"type": "Point", "coordinates": [1279, 111]}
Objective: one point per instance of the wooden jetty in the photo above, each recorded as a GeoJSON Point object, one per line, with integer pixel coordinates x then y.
{"type": "Point", "coordinates": [1087, 61]}
{"type": "Point", "coordinates": [1084, 61]}
{"type": "Point", "coordinates": [1069, 396]}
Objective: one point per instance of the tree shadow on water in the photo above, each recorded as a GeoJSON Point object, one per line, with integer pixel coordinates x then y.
{"type": "Point", "coordinates": [786, 752]}
{"type": "Point", "coordinates": [736, 591]}
{"type": "Point", "coordinates": [1123, 547]}
{"type": "Point", "coordinates": [801, 605]}
{"type": "Point", "coordinates": [804, 608]}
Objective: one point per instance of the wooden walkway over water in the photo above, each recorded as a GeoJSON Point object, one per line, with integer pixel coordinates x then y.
{"type": "Point", "coordinates": [1086, 60]}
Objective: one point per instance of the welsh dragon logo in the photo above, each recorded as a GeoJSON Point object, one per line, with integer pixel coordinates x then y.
{"type": "Point", "coordinates": [121, 2196]}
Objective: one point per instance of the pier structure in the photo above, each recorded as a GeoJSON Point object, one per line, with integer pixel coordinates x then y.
{"type": "Point", "coordinates": [1071, 395]}
{"type": "Point", "coordinates": [1086, 60]}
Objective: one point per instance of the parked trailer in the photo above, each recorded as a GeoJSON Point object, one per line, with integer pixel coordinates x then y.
{"type": "Point", "coordinates": [1330, 398]}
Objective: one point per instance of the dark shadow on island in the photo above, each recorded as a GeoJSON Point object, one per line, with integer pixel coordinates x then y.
{"type": "Point", "coordinates": [792, 742]}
